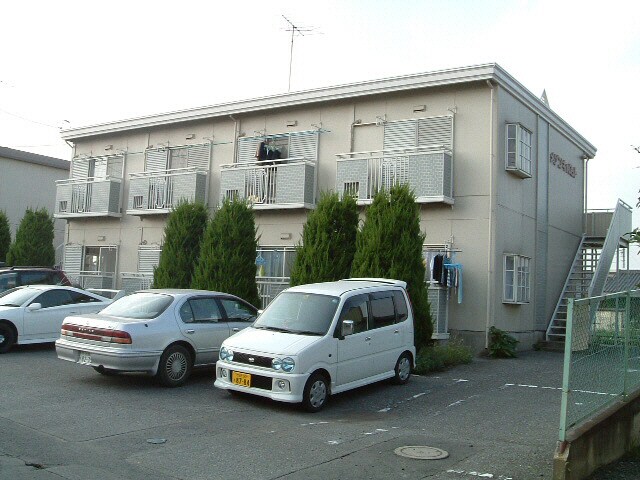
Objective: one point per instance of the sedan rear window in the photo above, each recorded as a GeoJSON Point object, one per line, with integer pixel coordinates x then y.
{"type": "Point", "coordinates": [141, 306]}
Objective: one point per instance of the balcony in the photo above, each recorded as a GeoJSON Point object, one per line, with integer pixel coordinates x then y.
{"type": "Point", "coordinates": [272, 184]}
{"type": "Point", "coordinates": [157, 192]}
{"type": "Point", "coordinates": [428, 172]}
{"type": "Point", "coordinates": [90, 197]}
{"type": "Point", "coordinates": [90, 279]}
{"type": "Point", "coordinates": [132, 282]}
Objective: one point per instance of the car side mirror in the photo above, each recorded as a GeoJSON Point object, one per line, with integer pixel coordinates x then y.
{"type": "Point", "coordinates": [34, 306]}
{"type": "Point", "coordinates": [347, 328]}
{"type": "Point", "coordinates": [260, 312]}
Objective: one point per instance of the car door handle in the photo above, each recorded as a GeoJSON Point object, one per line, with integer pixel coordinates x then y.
{"type": "Point", "coordinates": [235, 329]}
{"type": "Point", "coordinates": [396, 331]}
{"type": "Point", "coordinates": [191, 330]}
{"type": "Point", "coordinates": [366, 339]}
{"type": "Point", "coordinates": [73, 313]}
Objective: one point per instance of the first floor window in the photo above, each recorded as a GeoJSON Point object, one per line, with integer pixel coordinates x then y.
{"type": "Point", "coordinates": [516, 279]}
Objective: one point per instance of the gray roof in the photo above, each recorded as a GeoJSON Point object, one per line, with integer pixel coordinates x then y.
{"type": "Point", "coordinates": [34, 158]}
{"type": "Point", "coordinates": [622, 281]}
{"type": "Point", "coordinates": [490, 72]}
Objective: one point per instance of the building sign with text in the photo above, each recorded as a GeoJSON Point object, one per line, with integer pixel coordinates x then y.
{"type": "Point", "coordinates": [563, 165]}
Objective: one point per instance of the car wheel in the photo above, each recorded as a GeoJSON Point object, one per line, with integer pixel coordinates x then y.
{"type": "Point", "coordinates": [316, 393]}
{"type": "Point", "coordinates": [106, 371]}
{"type": "Point", "coordinates": [7, 337]}
{"type": "Point", "coordinates": [403, 369]}
{"type": "Point", "coordinates": [175, 366]}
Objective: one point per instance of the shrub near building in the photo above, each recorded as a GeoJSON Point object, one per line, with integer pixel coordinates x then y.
{"type": "Point", "coordinates": [182, 238]}
{"type": "Point", "coordinates": [33, 245]}
{"type": "Point", "coordinates": [228, 253]}
{"type": "Point", "coordinates": [328, 241]}
{"type": "Point", "coordinates": [390, 246]}
{"type": "Point", "coordinates": [5, 236]}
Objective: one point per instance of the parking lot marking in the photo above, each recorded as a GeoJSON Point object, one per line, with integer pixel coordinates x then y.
{"type": "Point", "coordinates": [312, 423]}
{"type": "Point", "coordinates": [555, 388]}
{"type": "Point", "coordinates": [480, 475]}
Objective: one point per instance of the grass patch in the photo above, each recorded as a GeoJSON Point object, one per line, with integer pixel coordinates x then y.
{"type": "Point", "coordinates": [436, 358]}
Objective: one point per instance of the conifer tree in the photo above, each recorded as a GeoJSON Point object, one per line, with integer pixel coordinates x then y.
{"type": "Point", "coordinates": [328, 241]}
{"type": "Point", "coordinates": [390, 246]}
{"type": "Point", "coordinates": [33, 244]}
{"type": "Point", "coordinates": [182, 238]}
{"type": "Point", "coordinates": [227, 260]}
{"type": "Point", "coordinates": [5, 236]}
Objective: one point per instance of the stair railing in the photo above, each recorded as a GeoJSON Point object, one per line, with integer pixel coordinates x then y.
{"type": "Point", "coordinates": [619, 227]}
{"type": "Point", "coordinates": [565, 288]}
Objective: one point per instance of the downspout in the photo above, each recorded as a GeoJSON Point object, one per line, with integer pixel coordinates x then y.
{"type": "Point", "coordinates": [586, 189]}
{"type": "Point", "coordinates": [490, 249]}
{"type": "Point", "coordinates": [236, 125]}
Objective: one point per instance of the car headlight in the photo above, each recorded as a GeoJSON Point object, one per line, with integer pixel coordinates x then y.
{"type": "Point", "coordinates": [288, 364]}
{"type": "Point", "coordinates": [276, 364]}
{"type": "Point", "coordinates": [226, 354]}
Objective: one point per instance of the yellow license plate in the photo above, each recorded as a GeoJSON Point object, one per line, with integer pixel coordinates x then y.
{"type": "Point", "coordinates": [242, 379]}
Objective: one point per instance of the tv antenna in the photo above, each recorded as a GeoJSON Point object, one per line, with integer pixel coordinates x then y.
{"type": "Point", "coordinates": [295, 30]}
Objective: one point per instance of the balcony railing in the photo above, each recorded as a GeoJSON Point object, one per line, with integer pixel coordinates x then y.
{"type": "Point", "coordinates": [272, 184]}
{"type": "Point", "coordinates": [427, 170]}
{"type": "Point", "coordinates": [85, 279]}
{"type": "Point", "coordinates": [269, 287]}
{"type": "Point", "coordinates": [132, 282]}
{"type": "Point", "coordinates": [88, 197]}
{"type": "Point", "coordinates": [157, 192]}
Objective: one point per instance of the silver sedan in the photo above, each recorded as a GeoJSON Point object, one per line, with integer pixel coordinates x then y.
{"type": "Point", "coordinates": [159, 332]}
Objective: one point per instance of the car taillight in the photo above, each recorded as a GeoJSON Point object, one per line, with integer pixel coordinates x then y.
{"type": "Point", "coordinates": [98, 334]}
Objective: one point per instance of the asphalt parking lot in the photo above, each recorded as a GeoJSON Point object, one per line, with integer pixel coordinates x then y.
{"type": "Point", "coordinates": [497, 419]}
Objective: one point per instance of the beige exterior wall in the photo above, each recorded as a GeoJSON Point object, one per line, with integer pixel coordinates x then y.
{"type": "Point", "coordinates": [29, 185]}
{"type": "Point", "coordinates": [494, 212]}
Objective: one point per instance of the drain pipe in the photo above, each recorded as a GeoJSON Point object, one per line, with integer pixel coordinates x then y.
{"type": "Point", "coordinates": [235, 137]}
{"type": "Point", "coordinates": [490, 252]}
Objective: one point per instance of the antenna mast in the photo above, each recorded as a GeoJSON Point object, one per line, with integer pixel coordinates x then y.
{"type": "Point", "coordinates": [293, 29]}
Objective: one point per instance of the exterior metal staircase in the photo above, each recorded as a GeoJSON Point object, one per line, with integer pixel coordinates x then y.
{"type": "Point", "coordinates": [590, 267]}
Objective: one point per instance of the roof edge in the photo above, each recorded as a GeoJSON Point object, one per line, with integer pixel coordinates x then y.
{"type": "Point", "coordinates": [22, 156]}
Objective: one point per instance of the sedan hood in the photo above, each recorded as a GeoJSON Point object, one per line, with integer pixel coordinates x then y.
{"type": "Point", "coordinates": [270, 342]}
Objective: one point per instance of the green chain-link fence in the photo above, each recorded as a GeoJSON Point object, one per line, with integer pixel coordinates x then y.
{"type": "Point", "coordinates": [602, 355]}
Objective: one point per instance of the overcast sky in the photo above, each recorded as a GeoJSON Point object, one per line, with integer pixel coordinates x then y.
{"type": "Point", "coordinates": [74, 63]}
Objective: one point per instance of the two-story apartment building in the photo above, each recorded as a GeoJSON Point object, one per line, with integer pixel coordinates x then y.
{"type": "Point", "coordinates": [500, 179]}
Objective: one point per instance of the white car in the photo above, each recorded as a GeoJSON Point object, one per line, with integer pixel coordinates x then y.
{"type": "Point", "coordinates": [34, 314]}
{"type": "Point", "coordinates": [320, 339]}
{"type": "Point", "coordinates": [163, 332]}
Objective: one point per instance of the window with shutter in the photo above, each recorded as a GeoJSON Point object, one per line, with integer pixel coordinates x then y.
{"type": "Point", "coordinates": [518, 150]}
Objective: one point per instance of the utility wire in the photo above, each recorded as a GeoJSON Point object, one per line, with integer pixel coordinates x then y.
{"type": "Point", "coordinates": [28, 119]}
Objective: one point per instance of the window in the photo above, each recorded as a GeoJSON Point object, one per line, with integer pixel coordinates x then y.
{"type": "Point", "coordinates": [275, 262]}
{"type": "Point", "coordinates": [518, 150]}
{"type": "Point", "coordinates": [516, 281]}
{"type": "Point", "coordinates": [356, 309]}
{"type": "Point", "coordinates": [205, 310]}
{"type": "Point", "coordinates": [401, 305]}
{"type": "Point", "coordinates": [237, 311]}
{"type": "Point", "coordinates": [78, 297]}
{"type": "Point", "coordinates": [53, 298]}
{"type": "Point", "coordinates": [383, 313]}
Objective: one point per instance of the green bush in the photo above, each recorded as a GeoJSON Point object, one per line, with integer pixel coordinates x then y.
{"type": "Point", "coordinates": [328, 241]}
{"type": "Point", "coordinates": [435, 358]}
{"type": "Point", "coordinates": [182, 238]}
{"type": "Point", "coordinates": [34, 240]}
{"type": "Point", "coordinates": [501, 344]}
{"type": "Point", "coordinates": [227, 260]}
{"type": "Point", "coordinates": [390, 245]}
{"type": "Point", "coordinates": [5, 236]}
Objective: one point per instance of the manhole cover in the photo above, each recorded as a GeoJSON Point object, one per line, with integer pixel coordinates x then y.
{"type": "Point", "coordinates": [421, 452]}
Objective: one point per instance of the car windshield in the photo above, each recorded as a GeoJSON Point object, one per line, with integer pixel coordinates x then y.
{"type": "Point", "coordinates": [143, 306]}
{"type": "Point", "coordinates": [15, 297]}
{"type": "Point", "coordinates": [298, 312]}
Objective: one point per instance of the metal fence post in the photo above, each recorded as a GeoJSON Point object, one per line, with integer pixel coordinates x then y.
{"type": "Point", "coordinates": [566, 371]}
{"type": "Point", "coordinates": [627, 327]}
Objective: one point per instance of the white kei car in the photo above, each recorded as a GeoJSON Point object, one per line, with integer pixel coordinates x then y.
{"type": "Point", "coordinates": [316, 340]}
{"type": "Point", "coordinates": [34, 313]}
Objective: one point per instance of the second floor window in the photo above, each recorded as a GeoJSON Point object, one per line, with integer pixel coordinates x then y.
{"type": "Point", "coordinates": [518, 150]}
{"type": "Point", "coordinates": [516, 279]}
